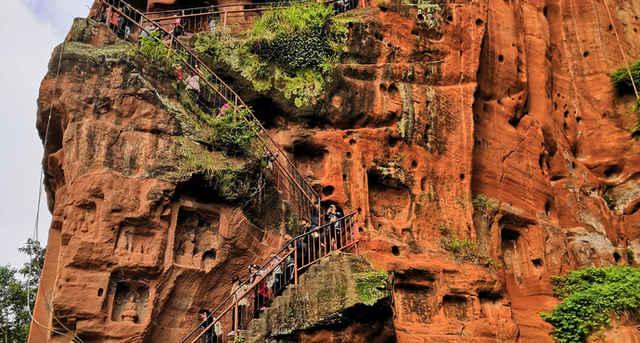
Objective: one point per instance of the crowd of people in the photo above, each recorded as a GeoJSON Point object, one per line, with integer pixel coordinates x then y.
{"type": "Point", "coordinates": [315, 243]}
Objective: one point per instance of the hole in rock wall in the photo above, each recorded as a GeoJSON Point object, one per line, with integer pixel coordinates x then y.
{"type": "Point", "coordinates": [544, 10]}
{"type": "Point", "coordinates": [616, 257]}
{"type": "Point", "coordinates": [350, 24]}
{"type": "Point", "coordinates": [352, 142]}
{"type": "Point", "coordinates": [610, 27]}
{"type": "Point", "coordinates": [501, 59]}
{"type": "Point", "coordinates": [547, 207]}
{"type": "Point", "coordinates": [479, 22]}
{"type": "Point", "coordinates": [537, 262]}
{"type": "Point", "coordinates": [196, 238]}
{"type": "Point", "coordinates": [586, 54]}
{"type": "Point", "coordinates": [414, 164]}
{"type": "Point", "coordinates": [130, 301]}
{"type": "Point", "coordinates": [461, 177]}
{"type": "Point", "coordinates": [327, 191]}
{"type": "Point", "coordinates": [378, 36]}
{"type": "Point", "coordinates": [100, 292]}
{"type": "Point", "coordinates": [578, 119]}
{"type": "Point", "coordinates": [344, 177]}
{"type": "Point", "coordinates": [395, 250]}
{"type": "Point", "coordinates": [393, 92]}
{"type": "Point", "coordinates": [449, 18]}
{"type": "Point", "coordinates": [612, 172]}
{"type": "Point", "coordinates": [393, 141]}
{"type": "Point", "coordinates": [423, 184]}
{"type": "Point", "coordinates": [420, 16]}
{"type": "Point", "coordinates": [383, 9]}
{"type": "Point", "coordinates": [455, 307]}
{"type": "Point", "coordinates": [349, 154]}
{"type": "Point", "coordinates": [490, 302]}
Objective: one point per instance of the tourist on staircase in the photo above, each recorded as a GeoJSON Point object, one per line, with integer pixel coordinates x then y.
{"type": "Point", "coordinates": [289, 264]}
{"type": "Point", "coordinates": [210, 335]}
{"type": "Point", "coordinates": [334, 229]}
{"type": "Point", "coordinates": [237, 290]}
{"type": "Point", "coordinates": [178, 27]}
{"type": "Point", "coordinates": [275, 280]}
{"type": "Point", "coordinates": [261, 292]}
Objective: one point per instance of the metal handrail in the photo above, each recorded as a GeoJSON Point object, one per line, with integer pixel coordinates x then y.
{"type": "Point", "coordinates": [346, 222]}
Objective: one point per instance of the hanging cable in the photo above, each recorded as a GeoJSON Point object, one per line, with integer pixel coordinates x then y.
{"type": "Point", "coordinates": [34, 237]}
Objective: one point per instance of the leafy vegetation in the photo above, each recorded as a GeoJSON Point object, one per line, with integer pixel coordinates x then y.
{"type": "Point", "coordinates": [590, 295]}
{"type": "Point", "coordinates": [463, 203]}
{"type": "Point", "coordinates": [231, 182]}
{"type": "Point", "coordinates": [623, 85]}
{"type": "Point", "coordinates": [14, 283]}
{"type": "Point", "coordinates": [461, 249]}
{"type": "Point", "coordinates": [159, 55]}
{"type": "Point", "coordinates": [291, 49]}
{"type": "Point", "coordinates": [621, 81]}
{"type": "Point", "coordinates": [611, 202]}
{"type": "Point", "coordinates": [481, 203]}
{"type": "Point", "coordinates": [370, 286]}
{"type": "Point", "coordinates": [492, 263]}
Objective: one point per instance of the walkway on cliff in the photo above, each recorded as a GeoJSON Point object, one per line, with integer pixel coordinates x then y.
{"type": "Point", "coordinates": [294, 187]}
{"type": "Point", "coordinates": [282, 269]}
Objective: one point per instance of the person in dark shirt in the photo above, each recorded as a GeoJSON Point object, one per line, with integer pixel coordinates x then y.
{"type": "Point", "coordinates": [207, 320]}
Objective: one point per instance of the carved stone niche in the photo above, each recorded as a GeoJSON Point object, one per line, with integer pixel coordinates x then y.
{"type": "Point", "coordinates": [129, 300]}
{"type": "Point", "coordinates": [196, 238]}
{"type": "Point", "coordinates": [137, 243]}
{"type": "Point", "coordinates": [79, 221]}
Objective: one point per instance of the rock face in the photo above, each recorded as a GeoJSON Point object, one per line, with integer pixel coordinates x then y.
{"type": "Point", "coordinates": [328, 306]}
{"type": "Point", "coordinates": [505, 99]}
{"type": "Point", "coordinates": [134, 251]}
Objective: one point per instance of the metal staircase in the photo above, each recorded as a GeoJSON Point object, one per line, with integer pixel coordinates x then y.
{"type": "Point", "coordinates": [230, 317]}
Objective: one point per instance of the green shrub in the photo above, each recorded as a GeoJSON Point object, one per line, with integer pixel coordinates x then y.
{"type": "Point", "coordinates": [590, 295]}
{"type": "Point", "coordinates": [233, 133]}
{"type": "Point", "coordinates": [621, 81]}
{"type": "Point", "coordinates": [622, 84]}
{"type": "Point", "coordinates": [461, 249]}
{"type": "Point", "coordinates": [290, 49]}
{"type": "Point", "coordinates": [230, 183]}
{"type": "Point", "coordinates": [481, 202]}
{"type": "Point", "coordinates": [159, 55]}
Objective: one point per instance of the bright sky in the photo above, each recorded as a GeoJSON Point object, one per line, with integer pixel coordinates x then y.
{"type": "Point", "coordinates": [29, 31]}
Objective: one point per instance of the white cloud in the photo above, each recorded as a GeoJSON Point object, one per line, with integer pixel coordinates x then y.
{"type": "Point", "coordinates": [28, 35]}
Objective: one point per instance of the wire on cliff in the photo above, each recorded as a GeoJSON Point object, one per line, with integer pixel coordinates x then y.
{"type": "Point", "coordinates": [48, 307]}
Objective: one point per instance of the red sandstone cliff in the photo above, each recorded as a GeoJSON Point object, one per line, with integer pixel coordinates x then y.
{"type": "Point", "coordinates": [502, 98]}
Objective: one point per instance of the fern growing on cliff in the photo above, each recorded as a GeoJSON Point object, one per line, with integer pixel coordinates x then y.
{"type": "Point", "coordinates": [590, 296]}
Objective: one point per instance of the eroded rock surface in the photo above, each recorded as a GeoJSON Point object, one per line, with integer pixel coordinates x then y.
{"type": "Point", "coordinates": [506, 99]}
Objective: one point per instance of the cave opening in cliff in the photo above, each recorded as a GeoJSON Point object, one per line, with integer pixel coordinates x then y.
{"type": "Point", "coordinates": [509, 235]}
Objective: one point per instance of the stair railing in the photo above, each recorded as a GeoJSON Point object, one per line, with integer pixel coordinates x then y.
{"type": "Point", "coordinates": [294, 187]}
{"type": "Point", "coordinates": [284, 269]}
{"type": "Point", "coordinates": [196, 19]}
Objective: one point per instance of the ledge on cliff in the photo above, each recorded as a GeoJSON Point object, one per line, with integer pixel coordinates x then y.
{"type": "Point", "coordinates": [340, 299]}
